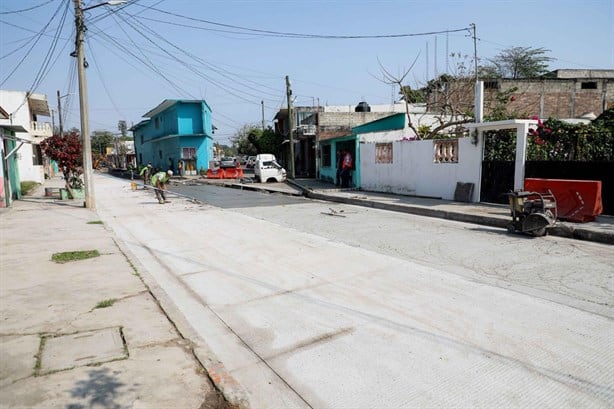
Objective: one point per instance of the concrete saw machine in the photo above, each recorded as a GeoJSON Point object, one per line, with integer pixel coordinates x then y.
{"type": "Point", "coordinates": [532, 213]}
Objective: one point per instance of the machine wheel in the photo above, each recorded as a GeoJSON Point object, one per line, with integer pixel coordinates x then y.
{"type": "Point", "coordinates": [538, 232]}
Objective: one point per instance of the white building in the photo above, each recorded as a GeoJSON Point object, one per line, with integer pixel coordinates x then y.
{"type": "Point", "coordinates": [24, 110]}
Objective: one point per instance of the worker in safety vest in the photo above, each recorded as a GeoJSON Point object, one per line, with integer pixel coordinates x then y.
{"type": "Point", "coordinates": [145, 173]}
{"type": "Point", "coordinates": [158, 181]}
{"type": "Point", "coordinates": [346, 169]}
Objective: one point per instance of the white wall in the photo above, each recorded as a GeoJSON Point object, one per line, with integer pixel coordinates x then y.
{"type": "Point", "coordinates": [413, 171]}
{"type": "Point", "coordinates": [11, 102]}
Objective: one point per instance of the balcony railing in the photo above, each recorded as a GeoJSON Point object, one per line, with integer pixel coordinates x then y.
{"type": "Point", "coordinates": [40, 129]}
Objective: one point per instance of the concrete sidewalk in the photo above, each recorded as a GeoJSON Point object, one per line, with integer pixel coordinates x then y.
{"type": "Point", "coordinates": [85, 333]}
{"type": "Point", "coordinates": [601, 230]}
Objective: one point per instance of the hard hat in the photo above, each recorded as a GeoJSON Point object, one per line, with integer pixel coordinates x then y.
{"type": "Point", "coordinates": [169, 172]}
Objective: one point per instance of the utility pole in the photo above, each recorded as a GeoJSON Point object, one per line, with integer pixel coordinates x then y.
{"type": "Point", "coordinates": [475, 52]}
{"type": "Point", "coordinates": [60, 114]}
{"type": "Point", "coordinates": [290, 126]}
{"type": "Point", "coordinates": [85, 134]}
{"type": "Point", "coordinates": [83, 108]}
{"type": "Point", "coordinates": [262, 104]}
{"type": "Point", "coordinates": [52, 121]}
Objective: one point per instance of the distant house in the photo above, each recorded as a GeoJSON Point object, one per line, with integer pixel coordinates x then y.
{"type": "Point", "coordinates": [176, 130]}
{"type": "Point", "coordinates": [562, 94]}
{"type": "Point", "coordinates": [314, 124]}
{"type": "Point", "coordinates": [24, 111]}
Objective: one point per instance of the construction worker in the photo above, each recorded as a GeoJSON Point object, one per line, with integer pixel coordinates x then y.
{"type": "Point", "coordinates": [145, 173]}
{"type": "Point", "coordinates": [158, 181]}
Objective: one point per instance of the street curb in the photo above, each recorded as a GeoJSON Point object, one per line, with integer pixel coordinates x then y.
{"type": "Point", "coordinates": [222, 380]}
{"type": "Point", "coordinates": [561, 230]}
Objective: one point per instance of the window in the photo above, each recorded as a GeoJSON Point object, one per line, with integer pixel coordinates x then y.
{"type": "Point", "coordinates": [326, 156]}
{"type": "Point", "coordinates": [383, 153]}
{"type": "Point", "coordinates": [142, 139]}
{"type": "Point", "coordinates": [589, 85]}
{"type": "Point", "coordinates": [156, 123]}
{"type": "Point", "coordinates": [160, 153]}
{"type": "Point", "coordinates": [445, 151]}
{"type": "Point", "coordinates": [491, 85]}
{"type": "Point", "coordinates": [188, 153]}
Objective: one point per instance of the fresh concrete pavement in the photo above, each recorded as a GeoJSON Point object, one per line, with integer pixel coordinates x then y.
{"type": "Point", "coordinates": [302, 322]}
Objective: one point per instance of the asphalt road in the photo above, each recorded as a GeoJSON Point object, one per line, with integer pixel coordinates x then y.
{"type": "Point", "coordinates": [375, 309]}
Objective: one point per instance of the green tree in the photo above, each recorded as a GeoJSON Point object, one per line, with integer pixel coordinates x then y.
{"type": "Point", "coordinates": [410, 95]}
{"type": "Point", "coordinates": [122, 127]}
{"type": "Point", "coordinates": [252, 140]}
{"type": "Point", "coordinates": [100, 141]}
{"type": "Point", "coordinates": [518, 62]}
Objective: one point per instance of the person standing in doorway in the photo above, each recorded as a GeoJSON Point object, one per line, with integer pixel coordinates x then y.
{"type": "Point", "coordinates": [346, 169]}
{"type": "Point", "coordinates": [158, 181]}
{"type": "Point", "coordinates": [339, 167]}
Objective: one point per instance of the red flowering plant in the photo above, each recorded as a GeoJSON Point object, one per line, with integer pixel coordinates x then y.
{"type": "Point", "coordinates": [66, 151]}
{"type": "Point", "coordinates": [556, 140]}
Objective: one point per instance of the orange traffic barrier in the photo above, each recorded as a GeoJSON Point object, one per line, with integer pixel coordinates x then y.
{"type": "Point", "coordinates": [576, 200]}
{"type": "Point", "coordinates": [215, 174]}
{"type": "Point", "coordinates": [231, 173]}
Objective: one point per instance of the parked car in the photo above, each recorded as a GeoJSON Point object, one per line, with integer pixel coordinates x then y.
{"type": "Point", "coordinates": [251, 161]}
{"type": "Point", "coordinates": [267, 169]}
{"type": "Point", "coordinates": [227, 162]}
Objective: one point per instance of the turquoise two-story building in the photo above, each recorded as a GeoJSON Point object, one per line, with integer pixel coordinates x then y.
{"type": "Point", "coordinates": [176, 135]}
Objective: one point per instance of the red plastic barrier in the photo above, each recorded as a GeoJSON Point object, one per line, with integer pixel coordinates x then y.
{"type": "Point", "coordinates": [576, 200]}
{"type": "Point", "coordinates": [233, 173]}
{"type": "Point", "coordinates": [230, 173]}
{"type": "Point", "coordinates": [215, 174]}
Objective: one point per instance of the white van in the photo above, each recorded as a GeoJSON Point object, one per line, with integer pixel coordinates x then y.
{"type": "Point", "coordinates": [266, 169]}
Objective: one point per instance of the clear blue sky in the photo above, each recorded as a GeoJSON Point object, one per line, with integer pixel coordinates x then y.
{"type": "Point", "coordinates": [137, 59]}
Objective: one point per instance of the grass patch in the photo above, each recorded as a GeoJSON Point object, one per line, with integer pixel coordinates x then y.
{"type": "Point", "coordinates": [67, 256]}
{"type": "Point", "coordinates": [105, 303]}
{"type": "Point", "coordinates": [95, 222]}
{"type": "Point", "coordinates": [27, 186]}
{"type": "Point", "coordinates": [39, 356]}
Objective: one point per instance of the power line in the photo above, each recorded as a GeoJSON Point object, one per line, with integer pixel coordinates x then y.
{"type": "Point", "coordinates": [38, 37]}
{"type": "Point", "coordinates": [231, 90]}
{"type": "Point", "coordinates": [303, 35]}
{"type": "Point", "coordinates": [103, 82]}
{"type": "Point", "coordinates": [28, 9]}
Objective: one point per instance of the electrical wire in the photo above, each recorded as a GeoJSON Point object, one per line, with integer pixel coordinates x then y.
{"type": "Point", "coordinates": [44, 68]}
{"type": "Point", "coordinates": [28, 9]}
{"type": "Point", "coordinates": [231, 90]}
{"type": "Point", "coordinates": [303, 35]}
{"type": "Point", "coordinates": [38, 37]}
{"type": "Point", "coordinates": [102, 81]}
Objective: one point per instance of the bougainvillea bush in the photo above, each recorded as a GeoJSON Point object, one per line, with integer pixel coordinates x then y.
{"type": "Point", "coordinates": [66, 151]}
{"type": "Point", "coordinates": [560, 141]}
{"type": "Point", "coordinates": [555, 140]}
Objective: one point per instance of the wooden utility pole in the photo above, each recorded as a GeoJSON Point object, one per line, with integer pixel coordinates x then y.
{"type": "Point", "coordinates": [290, 126]}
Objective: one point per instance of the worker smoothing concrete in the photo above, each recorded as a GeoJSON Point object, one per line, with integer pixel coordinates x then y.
{"type": "Point", "coordinates": [158, 181]}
